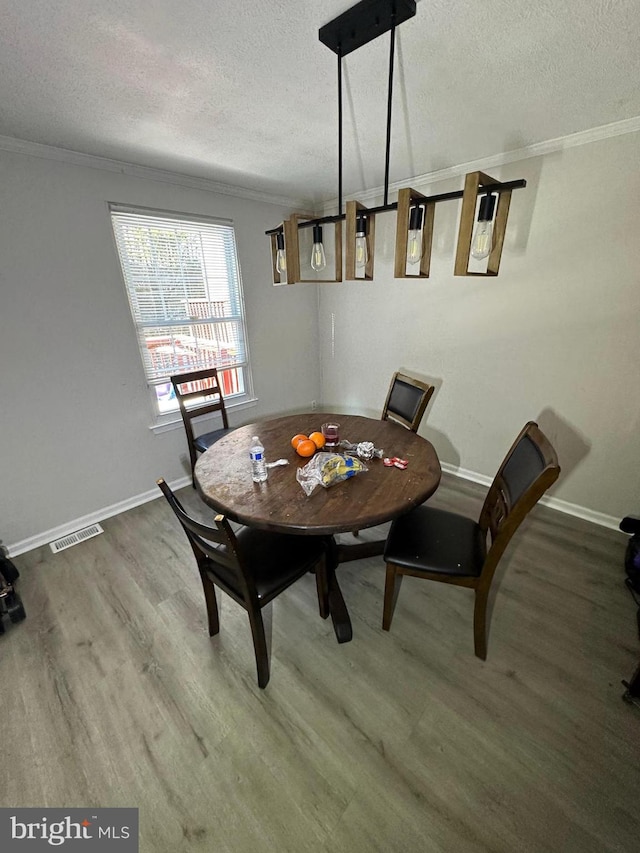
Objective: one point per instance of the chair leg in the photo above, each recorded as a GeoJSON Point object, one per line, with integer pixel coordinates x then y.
{"type": "Point", "coordinates": [259, 644]}
{"type": "Point", "coordinates": [212, 605]}
{"type": "Point", "coordinates": [391, 590]}
{"type": "Point", "coordinates": [322, 587]}
{"type": "Point", "coordinates": [480, 623]}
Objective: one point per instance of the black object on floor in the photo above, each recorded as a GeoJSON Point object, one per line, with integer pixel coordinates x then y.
{"type": "Point", "coordinates": [631, 525]}
{"type": "Point", "coordinates": [10, 602]}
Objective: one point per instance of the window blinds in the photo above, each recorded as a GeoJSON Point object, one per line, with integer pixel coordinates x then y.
{"type": "Point", "coordinates": [184, 289]}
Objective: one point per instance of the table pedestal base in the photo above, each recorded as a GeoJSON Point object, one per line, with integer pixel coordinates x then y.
{"type": "Point", "coordinates": [360, 550]}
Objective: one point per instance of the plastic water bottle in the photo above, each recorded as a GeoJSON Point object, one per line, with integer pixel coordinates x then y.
{"type": "Point", "coordinates": [258, 462]}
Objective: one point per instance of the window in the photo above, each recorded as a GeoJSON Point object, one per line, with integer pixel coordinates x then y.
{"type": "Point", "coordinates": [183, 281]}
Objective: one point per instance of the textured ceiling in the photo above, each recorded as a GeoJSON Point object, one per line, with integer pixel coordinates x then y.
{"type": "Point", "coordinates": [244, 93]}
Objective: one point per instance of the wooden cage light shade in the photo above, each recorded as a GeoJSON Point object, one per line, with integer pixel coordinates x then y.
{"type": "Point", "coordinates": [407, 199]}
{"type": "Point", "coordinates": [356, 212]}
{"type": "Point", "coordinates": [473, 182]}
{"type": "Point", "coordinates": [289, 230]}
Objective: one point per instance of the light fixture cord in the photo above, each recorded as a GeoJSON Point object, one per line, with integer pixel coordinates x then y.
{"type": "Point", "coordinates": [340, 132]}
{"type": "Point", "coordinates": [389, 99]}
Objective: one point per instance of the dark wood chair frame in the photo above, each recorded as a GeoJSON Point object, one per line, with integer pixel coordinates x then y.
{"type": "Point", "coordinates": [190, 413]}
{"type": "Point", "coordinates": [219, 546]}
{"type": "Point", "coordinates": [423, 393]}
{"type": "Point", "coordinates": [499, 519]}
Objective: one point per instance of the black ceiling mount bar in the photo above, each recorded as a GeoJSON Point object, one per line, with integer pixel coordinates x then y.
{"type": "Point", "coordinates": [431, 199]}
{"type": "Point", "coordinates": [354, 28]}
{"type": "Point", "coordinates": [363, 23]}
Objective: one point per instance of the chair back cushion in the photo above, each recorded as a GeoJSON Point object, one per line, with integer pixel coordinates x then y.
{"type": "Point", "coordinates": [407, 400]}
{"type": "Point", "coordinates": [523, 466]}
{"type": "Point", "coordinates": [529, 468]}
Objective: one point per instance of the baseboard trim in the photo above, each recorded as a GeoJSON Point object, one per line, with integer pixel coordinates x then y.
{"type": "Point", "coordinates": [553, 503]}
{"type": "Point", "coordinates": [92, 518]}
{"type": "Point", "coordinates": [47, 536]}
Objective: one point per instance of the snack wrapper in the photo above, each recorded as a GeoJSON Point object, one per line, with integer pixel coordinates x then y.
{"type": "Point", "coordinates": [327, 469]}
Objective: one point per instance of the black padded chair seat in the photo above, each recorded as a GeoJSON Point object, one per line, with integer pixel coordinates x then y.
{"type": "Point", "coordinates": [204, 442]}
{"type": "Point", "coordinates": [433, 540]}
{"type": "Point", "coordinates": [275, 559]}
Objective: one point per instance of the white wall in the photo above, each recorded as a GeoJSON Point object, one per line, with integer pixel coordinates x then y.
{"type": "Point", "coordinates": [554, 338]}
{"type": "Point", "coordinates": [74, 407]}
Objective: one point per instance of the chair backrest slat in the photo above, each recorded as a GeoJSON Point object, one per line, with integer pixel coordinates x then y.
{"type": "Point", "coordinates": [207, 388]}
{"type": "Point", "coordinates": [407, 400]}
{"type": "Point", "coordinates": [215, 548]}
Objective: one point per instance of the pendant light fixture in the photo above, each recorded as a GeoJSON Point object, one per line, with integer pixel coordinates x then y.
{"type": "Point", "coordinates": [360, 231]}
{"type": "Point", "coordinates": [414, 234]}
{"type": "Point", "coordinates": [281, 260]}
{"type": "Point", "coordinates": [482, 242]}
{"type": "Point", "coordinates": [285, 246]}
{"type": "Point", "coordinates": [355, 28]}
{"type": "Point", "coordinates": [362, 253]}
{"type": "Point", "coordinates": [414, 247]}
{"type": "Point", "coordinates": [488, 239]}
{"type": "Point", "coordinates": [318, 258]}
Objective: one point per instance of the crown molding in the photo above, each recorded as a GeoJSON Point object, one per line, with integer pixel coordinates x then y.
{"type": "Point", "coordinates": [539, 149]}
{"type": "Point", "coordinates": [90, 161]}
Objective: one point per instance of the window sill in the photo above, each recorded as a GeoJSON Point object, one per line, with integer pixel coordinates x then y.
{"type": "Point", "coordinates": [176, 420]}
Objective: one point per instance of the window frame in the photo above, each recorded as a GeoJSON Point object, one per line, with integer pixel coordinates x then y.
{"type": "Point", "coordinates": [163, 420]}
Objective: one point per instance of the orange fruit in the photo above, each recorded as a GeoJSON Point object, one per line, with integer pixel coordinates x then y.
{"type": "Point", "coordinates": [297, 438]}
{"type": "Point", "coordinates": [306, 447]}
{"type": "Point", "coordinates": [318, 439]}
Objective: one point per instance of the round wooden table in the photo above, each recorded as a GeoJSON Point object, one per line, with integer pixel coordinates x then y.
{"type": "Point", "coordinates": [223, 479]}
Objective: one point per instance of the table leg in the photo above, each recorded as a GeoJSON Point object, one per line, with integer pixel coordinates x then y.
{"type": "Point", "coordinates": [339, 613]}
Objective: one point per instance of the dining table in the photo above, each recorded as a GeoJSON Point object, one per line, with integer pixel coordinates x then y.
{"type": "Point", "coordinates": [376, 495]}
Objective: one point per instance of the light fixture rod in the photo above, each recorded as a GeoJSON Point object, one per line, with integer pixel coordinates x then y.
{"type": "Point", "coordinates": [339, 132]}
{"type": "Point", "coordinates": [432, 199]}
{"type": "Point", "coordinates": [389, 103]}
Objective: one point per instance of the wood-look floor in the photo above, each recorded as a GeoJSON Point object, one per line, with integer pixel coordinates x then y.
{"type": "Point", "coordinates": [114, 695]}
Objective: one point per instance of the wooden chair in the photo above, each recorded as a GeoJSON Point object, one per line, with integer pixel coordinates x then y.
{"type": "Point", "coordinates": [253, 567]}
{"type": "Point", "coordinates": [407, 400]}
{"type": "Point", "coordinates": [442, 546]}
{"type": "Point", "coordinates": [204, 386]}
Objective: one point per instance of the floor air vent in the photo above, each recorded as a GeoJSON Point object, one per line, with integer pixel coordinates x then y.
{"type": "Point", "coordinates": [75, 538]}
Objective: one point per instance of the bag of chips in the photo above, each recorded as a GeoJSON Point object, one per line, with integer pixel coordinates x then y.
{"type": "Point", "coordinates": [327, 469]}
